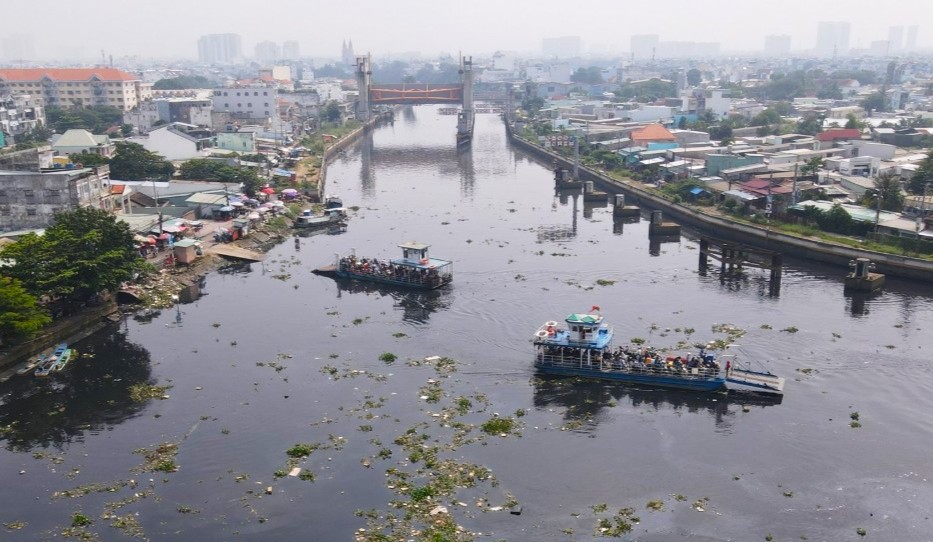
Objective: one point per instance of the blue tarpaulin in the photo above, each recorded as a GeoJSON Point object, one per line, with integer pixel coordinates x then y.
{"type": "Point", "coordinates": [696, 191]}
{"type": "Point", "coordinates": [279, 172]}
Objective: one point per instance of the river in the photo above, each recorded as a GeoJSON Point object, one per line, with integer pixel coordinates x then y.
{"type": "Point", "coordinates": [268, 355]}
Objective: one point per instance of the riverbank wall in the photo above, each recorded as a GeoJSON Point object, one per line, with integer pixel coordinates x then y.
{"type": "Point", "coordinates": [342, 144]}
{"type": "Point", "coordinates": [730, 230]}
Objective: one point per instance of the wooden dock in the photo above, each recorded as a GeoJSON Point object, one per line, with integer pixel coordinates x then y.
{"type": "Point", "coordinates": [235, 252]}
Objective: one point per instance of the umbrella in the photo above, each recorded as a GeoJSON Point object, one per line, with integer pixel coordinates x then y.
{"type": "Point", "coordinates": [266, 205]}
{"type": "Point", "coordinates": [164, 236]}
{"type": "Point", "coordinates": [236, 203]}
{"type": "Point", "coordinates": [226, 209]}
{"type": "Point", "coordinates": [268, 190]}
{"type": "Point", "coordinates": [278, 203]}
{"type": "Point", "coordinates": [253, 216]}
{"type": "Point", "coordinates": [151, 239]}
{"type": "Point", "coordinates": [262, 210]}
{"type": "Point", "coordinates": [290, 191]}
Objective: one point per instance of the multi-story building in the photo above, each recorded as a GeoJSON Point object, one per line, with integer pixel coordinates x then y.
{"type": "Point", "coordinates": [777, 45]}
{"type": "Point", "coordinates": [253, 102]}
{"type": "Point", "coordinates": [220, 49]}
{"type": "Point", "coordinates": [30, 199]}
{"type": "Point", "coordinates": [156, 112]}
{"type": "Point", "coordinates": [290, 50]}
{"type": "Point", "coordinates": [76, 87]}
{"type": "Point", "coordinates": [19, 114]}
{"type": "Point", "coordinates": [832, 38]}
{"type": "Point", "coordinates": [267, 51]}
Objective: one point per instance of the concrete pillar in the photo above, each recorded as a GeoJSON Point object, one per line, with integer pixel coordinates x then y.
{"type": "Point", "coordinates": [656, 218]}
{"type": "Point", "coordinates": [588, 187]}
{"type": "Point", "coordinates": [363, 83]}
{"type": "Point", "coordinates": [465, 119]}
{"type": "Point", "coordinates": [619, 201]}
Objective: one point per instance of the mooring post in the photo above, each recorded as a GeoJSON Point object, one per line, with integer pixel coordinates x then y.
{"type": "Point", "coordinates": [704, 256]}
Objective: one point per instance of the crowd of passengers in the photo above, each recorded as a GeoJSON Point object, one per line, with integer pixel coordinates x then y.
{"type": "Point", "coordinates": [387, 269]}
{"type": "Point", "coordinates": [640, 358]}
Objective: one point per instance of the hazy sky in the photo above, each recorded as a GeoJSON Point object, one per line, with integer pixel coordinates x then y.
{"type": "Point", "coordinates": [170, 28]}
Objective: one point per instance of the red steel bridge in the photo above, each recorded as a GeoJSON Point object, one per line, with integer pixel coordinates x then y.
{"type": "Point", "coordinates": [416, 94]}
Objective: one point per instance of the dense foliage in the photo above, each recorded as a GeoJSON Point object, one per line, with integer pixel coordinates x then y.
{"type": "Point", "coordinates": [182, 82]}
{"type": "Point", "coordinates": [591, 76]}
{"type": "Point", "coordinates": [647, 91]}
{"type": "Point", "coordinates": [133, 162]}
{"type": "Point", "coordinates": [215, 170]}
{"type": "Point", "coordinates": [81, 254]}
{"type": "Point", "coordinates": [88, 159]}
{"type": "Point", "coordinates": [20, 315]}
{"type": "Point", "coordinates": [95, 119]}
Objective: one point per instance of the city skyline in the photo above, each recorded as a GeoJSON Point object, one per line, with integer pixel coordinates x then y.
{"type": "Point", "coordinates": [398, 28]}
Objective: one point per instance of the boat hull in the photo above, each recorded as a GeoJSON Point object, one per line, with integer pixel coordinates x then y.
{"type": "Point", "coordinates": [387, 280]}
{"type": "Point", "coordinates": [685, 382]}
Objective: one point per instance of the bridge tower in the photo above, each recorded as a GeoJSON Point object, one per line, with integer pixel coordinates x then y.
{"type": "Point", "coordinates": [364, 74]}
{"type": "Point", "coordinates": [466, 116]}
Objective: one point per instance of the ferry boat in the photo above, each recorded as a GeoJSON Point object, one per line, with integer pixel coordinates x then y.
{"type": "Point", "coordinates": [583, 347]}
{"type": "Point", "coordinates": [415, 269]}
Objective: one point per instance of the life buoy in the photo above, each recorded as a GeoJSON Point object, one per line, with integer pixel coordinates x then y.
{"type": "Point", "coordinates": [552, 323]}
{"type": "Point", "coordinates": [424, 261]}
{"type": "Point", "coordinates": [541, 334]}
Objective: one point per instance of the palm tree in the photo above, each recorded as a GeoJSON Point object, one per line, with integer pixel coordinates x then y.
{"type": "Point", "coordinates": [889, 191]}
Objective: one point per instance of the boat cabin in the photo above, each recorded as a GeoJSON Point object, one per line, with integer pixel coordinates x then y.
{"type": "Point", "coordinates": [415, 253]}
{"type": "Point", "coordinates": [585, 328]}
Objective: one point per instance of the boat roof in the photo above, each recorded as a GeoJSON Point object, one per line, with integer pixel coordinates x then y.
{"type": "Point", "coordinates": [579, 318]}
{"type": "Point", "coordinates": [433, 263]}
{"type": "Point", "coordinates": [413, 245]}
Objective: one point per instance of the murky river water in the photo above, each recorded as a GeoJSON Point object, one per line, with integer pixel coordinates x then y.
{"type": "Point", "coordinates": [272, 355]}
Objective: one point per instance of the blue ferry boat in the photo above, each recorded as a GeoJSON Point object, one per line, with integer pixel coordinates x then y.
{"type": "Point", "coordinates": [415, 269]}
{"type": "Point", "coordinates": [583, 347]}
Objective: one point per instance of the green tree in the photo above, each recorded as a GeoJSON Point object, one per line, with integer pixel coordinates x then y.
{"type": "Point", "coordinates": [922, 177]}
{"type": "Point", "coordinates": [694, 77]}
{"type": "Point", "coordinates": [766, 118]}
{"type": "Point", "coordinates": [35, 137]}
{"type": "Point", "coordinates": [591, 75]}
{"type": "Point", "coordinates": [95, 119]}
{"type": "Point", "coordinates": [810, 125]}
{"type": "Point", "coordinates": [182, 82]}
{"type": "Point", "coordinates": [82, 253]}
{"type": "Point", "coordinates": [20, 315]}
{"type": "Point", "coordinates": [331, 112]}
{"type": "Point", "coordinates": [852, 122]}
{"type": "Point", "coordinates": [811, 166]}
{"type": "Point", "coordinates": [888, 189]}
{"type": "Point", "coordinates": [874, 102]}
{"type": "Point", "coordinates": [88, 159]}
{"type": "Point", "coordinates": [215, 170]}
{"type": "Point", "coordinates": [133, 162]}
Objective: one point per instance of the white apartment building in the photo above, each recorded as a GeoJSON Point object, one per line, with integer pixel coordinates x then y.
{"type": "Point", "coordinates": [220, 49]}
{"type": "Point", "coordinates": [76, 87]}
{"type": "Point", "coordinates": [245, 102]}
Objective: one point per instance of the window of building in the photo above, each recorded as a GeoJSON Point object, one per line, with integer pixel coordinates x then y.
{"type": "Point", "coordinates": [266, 104]}
{"type": "Point", "coordinates": [249, 104]}
{"type": "Point", "coordinates": [226, 105]}
{"type": "Point", "coordinates": [5, 211]}
{"type": "Point", "coordinates": [54, 194]}
{"type": "Point", "coordinates": [29, 193]}
{"type": "Point", "coordinates": [256, 94]}
{"type": "Point", "coordinates": [225, 93]}
{"type": "Point", "coordinates": [30, 212]}
{"type": "Point", "coordinates": [237, 93]}
{"type": "Point", "coordinates": [265, 93]}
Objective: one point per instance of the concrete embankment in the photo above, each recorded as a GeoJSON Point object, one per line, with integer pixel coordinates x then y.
{"type": "Point", "coordinates": [342, 144]}
{"type": "Point", "coordinates": [723, 228]}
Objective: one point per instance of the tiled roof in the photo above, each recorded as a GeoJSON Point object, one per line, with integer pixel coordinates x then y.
{"type": "Point", "coordinates": [117, 188]}
{"type": "Point", "coordinates": [653, 132]}
{"type": "Point", "coordinates": [65, 74]}
{"type": "Point", "coordinates": [839, 133]}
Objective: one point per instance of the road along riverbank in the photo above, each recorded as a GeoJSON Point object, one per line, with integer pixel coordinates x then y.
{"type": "Point", "coordinates": [723, 228]}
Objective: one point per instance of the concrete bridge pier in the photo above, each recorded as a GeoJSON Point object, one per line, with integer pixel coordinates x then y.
{"type": "Point", "coordinates": [467, 115]}
{"type": "Point", "coordinates": [861, 278]}
{"type": "Point", "coordinates": [659, 227]}
{"type": "Point", "coordinates": [619, 208]}
{"type": "Point", "coordinates": [364, 76]}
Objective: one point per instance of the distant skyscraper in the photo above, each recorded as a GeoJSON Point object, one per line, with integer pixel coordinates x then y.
{"type": "Point", "coordinates": [777, 45]}
{"type": "Point", "coordinates": [290, 50]}
{"type": "Point", "coordinates": [267, 51]}
{"type": "Point", "coordinates": [911, 44]}
{"type": "Point", "coordinates": [832, 38]}
{"type": "Point", "coordinates": [220, 49]}
{"type": "Point", "coordinates": [563, 47]}
{"type": "Point", "coordinates": [895, 39]}
{"type": "Point", "coordinates": [347, 56]}
{"type": "Point", "coordinates": [644, 46]}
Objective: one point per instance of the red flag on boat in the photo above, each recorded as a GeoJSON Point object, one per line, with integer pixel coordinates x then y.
{"type": "Point", "coordinates": [594, 308]}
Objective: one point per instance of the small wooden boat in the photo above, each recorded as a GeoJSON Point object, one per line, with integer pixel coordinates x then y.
{"type": "Point", "coordinates": [49, 364]}
{"type": "Point", "coordinates": [64, 359]}
{"type": "Point", "coordinates": [31, 365]}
